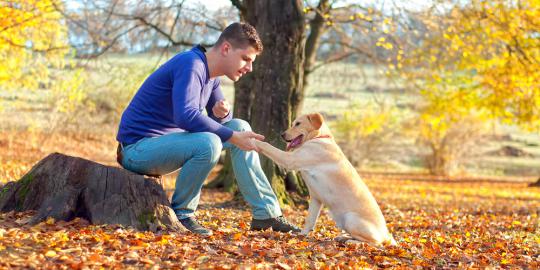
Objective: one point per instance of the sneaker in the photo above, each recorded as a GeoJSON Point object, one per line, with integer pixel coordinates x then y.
{"type": "Point", "coordinates": [278, 224]}
{"type": "Point", "coordinates": [193, 226]}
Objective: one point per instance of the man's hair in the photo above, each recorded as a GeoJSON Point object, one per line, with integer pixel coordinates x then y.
{"type": "Point", "coordinates": [241, 35]}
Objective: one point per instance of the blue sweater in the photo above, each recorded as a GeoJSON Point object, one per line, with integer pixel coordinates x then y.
{"type": "Point", "coordinates": [172, 99]}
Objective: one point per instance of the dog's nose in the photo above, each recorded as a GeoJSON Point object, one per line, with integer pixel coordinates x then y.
{"type": "Point", "coordinates": [283, 135]}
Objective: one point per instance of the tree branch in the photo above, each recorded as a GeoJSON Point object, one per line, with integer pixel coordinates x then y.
{"type": "Point", "coordinates": [239, 4]}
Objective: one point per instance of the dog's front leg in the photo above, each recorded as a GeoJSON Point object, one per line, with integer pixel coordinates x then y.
{"type": "Point", "coordinates": [282, 158]}
{"type": "Point", "coordinates": [313, 214]}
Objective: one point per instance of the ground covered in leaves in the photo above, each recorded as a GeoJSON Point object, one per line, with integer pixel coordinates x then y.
{"type": "Point", "coordinates": [437, 224]}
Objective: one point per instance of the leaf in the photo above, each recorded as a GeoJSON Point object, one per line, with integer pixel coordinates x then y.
{"type": "Point", "coordinates": [283, 266]}
{"type": "Point", "coordinates": [50, 221]}
{"type": "Point", "coordinates": [243, 225]}
{"type": "Point", "coordinates": [237, 236]}
{"type": "Point", "coordinates": [23, 220]}
{"type": "Point", "coordinates": [94, 257]}
{"type": "Point", "coordinates": [50, 254]}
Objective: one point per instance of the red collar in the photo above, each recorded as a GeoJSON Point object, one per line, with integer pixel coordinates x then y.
{"type": "Point", "coordinates": [323, 136]}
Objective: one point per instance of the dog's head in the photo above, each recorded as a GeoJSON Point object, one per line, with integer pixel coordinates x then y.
{"type": "Point", "coordinates": [305, 128]}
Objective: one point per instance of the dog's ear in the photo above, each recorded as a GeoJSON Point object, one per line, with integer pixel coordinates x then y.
{"type": "Point", "coordinates": [316, 120]}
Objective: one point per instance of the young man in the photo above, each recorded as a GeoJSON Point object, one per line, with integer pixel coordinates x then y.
{"type": "Point", "coordinates": [164, 128]}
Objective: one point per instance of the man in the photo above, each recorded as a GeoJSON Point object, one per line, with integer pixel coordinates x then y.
{"type": "Point", "coordinates": [164, 128]}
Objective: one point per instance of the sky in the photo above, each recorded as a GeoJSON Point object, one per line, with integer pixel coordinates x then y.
{"type": "Point", "coordinates": [217, 4]}
{"type": "Point", "coordinates": [411, 4]}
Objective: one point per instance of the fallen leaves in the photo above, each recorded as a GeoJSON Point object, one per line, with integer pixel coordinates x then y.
{"type": "Point", "coordinates": [453, 226]}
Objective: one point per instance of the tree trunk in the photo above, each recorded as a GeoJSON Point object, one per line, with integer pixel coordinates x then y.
{"type": "Point", "coordinates": [316, 29]}
{"type": "Point", "coordinates": [65, 187]}
{"type": "Point", "coordinates": [277, 77]}
{"type": "Point", "coordinates": [268, 97]}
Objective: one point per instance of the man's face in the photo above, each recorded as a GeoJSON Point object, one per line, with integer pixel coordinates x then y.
{"type": "Point", "coordinates": [238, 61]}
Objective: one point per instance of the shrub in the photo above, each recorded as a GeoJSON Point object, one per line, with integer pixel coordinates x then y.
{"type": "Point", "coordinates": [364, 129]}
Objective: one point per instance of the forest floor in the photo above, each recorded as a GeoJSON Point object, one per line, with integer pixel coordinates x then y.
{"type": "Point", "coordinates": [438, 223]}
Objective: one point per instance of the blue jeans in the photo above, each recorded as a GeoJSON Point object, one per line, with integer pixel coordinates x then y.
{"type": "Point", "coordinates": [197, 153]}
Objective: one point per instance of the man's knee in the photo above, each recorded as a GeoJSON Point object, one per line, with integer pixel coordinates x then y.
{"type": "Point", "coordinates": [211, 145]}
{"type": "Point", "coordinates": [238, 125]}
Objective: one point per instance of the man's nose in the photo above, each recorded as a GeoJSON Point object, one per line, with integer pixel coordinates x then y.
{"type": "Point", "coordinates": [248, 67]}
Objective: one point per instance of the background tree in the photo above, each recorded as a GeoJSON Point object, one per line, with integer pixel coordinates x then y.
{"type": "Point", "coordinates": [496, 45]}
{"type": "Point", "coordinates": [104, 26]}
{"type": "Point", "coordinates": [264, 97]}
{"type": "Point", "coordinates": [475, 57]}
{"type": "Point", "coordinates": [33, 40]}
{"type": "Point", "coordinates": [333, 31]}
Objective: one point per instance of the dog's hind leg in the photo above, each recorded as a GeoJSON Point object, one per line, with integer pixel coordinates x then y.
{"type": "Point", "coordinates": [362, 230]}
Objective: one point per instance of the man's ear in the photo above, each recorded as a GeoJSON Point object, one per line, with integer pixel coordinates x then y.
{"type": "Point", "coordinates": [225, 48]}
{"type": "Point", "coordinates": [316, 120]}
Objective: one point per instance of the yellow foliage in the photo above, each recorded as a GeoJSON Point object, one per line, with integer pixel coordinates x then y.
{"type": "Point", "coordinates": [450, 123]}
{"type": "Point", "coordinates": [69, 93]}
{"type": "Point", "coordinates": [494, 43]}
{"type": "Point", "coordinates": [33, 39]}
{"type": "Point", "coordinates": [364, 129]}
{"type": "Point", "coordinates": [363, 120]}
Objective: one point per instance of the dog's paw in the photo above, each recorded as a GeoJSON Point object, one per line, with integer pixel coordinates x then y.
{"type": "Point", "coordinates": [343, 239]}
{"type": "Point", "coordinates": [353, 242]}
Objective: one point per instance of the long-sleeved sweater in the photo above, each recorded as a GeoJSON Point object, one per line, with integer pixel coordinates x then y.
{"type": "Point", "coordinates": [173, 98]}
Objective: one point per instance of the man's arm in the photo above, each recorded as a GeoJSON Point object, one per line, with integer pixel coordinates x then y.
{"type": "Point", "coordinates": [187, 114]}
{"type": "Point", "coordinates": [215, 97]}
{"type": "Point", "coordinates": [186, 94]}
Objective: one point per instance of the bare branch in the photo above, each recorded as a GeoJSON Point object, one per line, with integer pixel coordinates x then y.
{"type": "Point", "coordinates": [50, 49]}
{"type": "Point", "coordinates": [110, 44]}
{"type": "Point", "coordinates": [332, 60]}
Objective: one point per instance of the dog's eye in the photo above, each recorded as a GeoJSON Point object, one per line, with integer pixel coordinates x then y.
{"type": "Point", "coordinates": [297, 124]}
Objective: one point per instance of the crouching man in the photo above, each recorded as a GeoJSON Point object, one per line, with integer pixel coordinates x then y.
{"type": "Point", "coordinates": [164, 128]}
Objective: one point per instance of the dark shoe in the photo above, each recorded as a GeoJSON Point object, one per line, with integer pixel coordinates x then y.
{"type": "Point", "coordinates": [278, 224]}
{"type": "Point", "coordinates": [193, 226]}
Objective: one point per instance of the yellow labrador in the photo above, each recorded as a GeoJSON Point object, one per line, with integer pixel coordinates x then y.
{"type": "Point", "coordinates": [331, 180]}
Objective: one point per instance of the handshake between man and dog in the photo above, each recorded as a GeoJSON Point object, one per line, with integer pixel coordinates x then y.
{"type": "Point", "coordinates": [331, 180]}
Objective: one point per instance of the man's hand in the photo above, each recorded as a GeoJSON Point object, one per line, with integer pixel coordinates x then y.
{"type": "Point", "coordinates": [244, 140]}
{"type": "Point", "coordinates": [221, 109]}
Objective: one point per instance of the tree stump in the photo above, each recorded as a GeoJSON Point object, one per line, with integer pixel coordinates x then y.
{"type": "Point", "coordinates": [65, 187]}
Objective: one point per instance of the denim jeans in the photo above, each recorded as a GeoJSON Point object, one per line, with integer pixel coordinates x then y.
{"type": "Point", "coordinates": [197, 153]}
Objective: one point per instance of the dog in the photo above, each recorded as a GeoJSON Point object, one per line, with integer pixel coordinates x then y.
{"type": "Point", "coordinates": [331, 180]}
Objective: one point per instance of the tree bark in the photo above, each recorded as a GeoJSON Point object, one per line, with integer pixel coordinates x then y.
{"type": "Point", "coordinates": [277, 77]}
{"type": "Point", "coordinates": [268, 97]}
{"type": "Point", "coordinates": [65, 187]}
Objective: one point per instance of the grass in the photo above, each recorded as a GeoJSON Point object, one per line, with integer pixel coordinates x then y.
{"type": "Point", "coordinates": [31, 127]}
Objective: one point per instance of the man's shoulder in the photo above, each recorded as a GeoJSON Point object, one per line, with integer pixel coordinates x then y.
{"type": "Point", "coordinates": [187, 61]}
{"type": "Point", "coordinates": [189, 56]}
